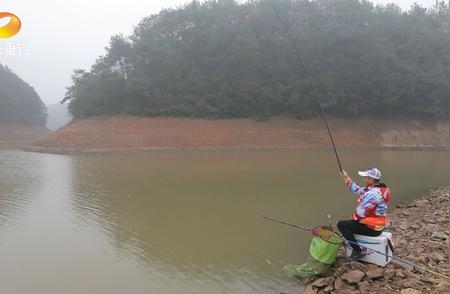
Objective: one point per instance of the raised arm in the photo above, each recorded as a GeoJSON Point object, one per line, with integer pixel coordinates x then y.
{"type": "Point", "coordinates": [352, 186]}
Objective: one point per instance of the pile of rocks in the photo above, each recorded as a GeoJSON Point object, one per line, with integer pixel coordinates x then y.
{"type": "Point", "coordinates": [421, 235]}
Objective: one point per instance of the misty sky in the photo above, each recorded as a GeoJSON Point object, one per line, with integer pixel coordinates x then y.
{"type": "Point", "coordinates": [68, 34]}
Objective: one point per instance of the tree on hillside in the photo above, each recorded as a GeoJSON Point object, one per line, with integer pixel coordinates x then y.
{"type": "Point", "coordinates": [224, 59]}
{"type": "Point", "coordinates": [19, 102]}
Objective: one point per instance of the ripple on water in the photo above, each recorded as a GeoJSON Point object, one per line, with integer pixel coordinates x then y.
{"type": "Point", "coordinates": [20, 177]}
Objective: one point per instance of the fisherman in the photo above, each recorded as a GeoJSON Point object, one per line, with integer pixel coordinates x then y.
{"type": "Point", "coordinates": [369, 218]}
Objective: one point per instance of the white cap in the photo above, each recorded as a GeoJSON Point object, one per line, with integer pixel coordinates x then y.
{"type": "Point", "coordinates": [372, 172]}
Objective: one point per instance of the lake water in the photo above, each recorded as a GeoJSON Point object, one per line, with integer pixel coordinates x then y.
{"type": "Point", "coordinates": [178, 222]}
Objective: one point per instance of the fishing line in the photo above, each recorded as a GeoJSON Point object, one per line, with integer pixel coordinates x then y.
{"type": "Point", "coordinates": [302, 62]}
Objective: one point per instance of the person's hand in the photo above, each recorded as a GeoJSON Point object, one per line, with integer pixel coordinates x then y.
{"type": "Point", "coordinates": [345, 177]}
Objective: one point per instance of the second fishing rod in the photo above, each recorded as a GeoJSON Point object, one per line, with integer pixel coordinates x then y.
{"type": "Point", "coordinates": [331, 232]}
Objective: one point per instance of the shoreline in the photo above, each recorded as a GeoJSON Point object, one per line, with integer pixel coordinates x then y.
{"type": "Point", "coordinates": [17, 136]}
{"type": "Point", "coordinates": [420, 234]}
{"type": "Point", "coordinates": [88, 151]}
{"type": "Point", "coordinates": [128, 134]}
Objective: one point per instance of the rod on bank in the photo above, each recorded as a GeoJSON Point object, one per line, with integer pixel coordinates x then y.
{"type": "Point", "coordinates": [398, 259]}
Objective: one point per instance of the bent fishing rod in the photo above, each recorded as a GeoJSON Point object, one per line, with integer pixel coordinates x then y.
{"type": "Point", "coordinates": [303, 66]}
{"type": "Point", "coordinates": [355, 243]}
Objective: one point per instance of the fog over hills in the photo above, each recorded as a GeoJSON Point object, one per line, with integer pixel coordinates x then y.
{"type": "Point", "coordinates": [57, 116]}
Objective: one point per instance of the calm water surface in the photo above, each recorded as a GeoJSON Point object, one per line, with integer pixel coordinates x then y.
{"type": "Point", "coordinates": [187, 222]}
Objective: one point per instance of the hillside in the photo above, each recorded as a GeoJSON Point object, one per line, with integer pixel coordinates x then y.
{"type": "Point", "coordinates": [19, 102]}
{"type": "Point", "coordinates": [22, 113]}
{"type": "Point", "coordinates": [233, 59]}
{"type": "Point", "coordinates": [126, 133]}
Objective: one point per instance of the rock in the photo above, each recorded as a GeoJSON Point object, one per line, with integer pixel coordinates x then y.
{"type": "Point", "coordinates": [308, 280]}
{"type": "Point", "coordinates": [442, 219]}
{"type": "Point", "coordinates": [323, 282]}
{"type": "Point", "coordinates": [439, 235]}
{"type": "Point", "coordinates": [436, 256]}
{"type": "Point", "coordinates": [415, 227]}
{"type": "Point", "coordinates": [427, 280]}
{"type": "Point", "coordinates": [419, 250]}
{"type": "Point", "coordinates": [412, 283]}
{"type": "Point", "coordinates": [407, 234]}
{"type": "Point", "coordinates": [433, 244]}
{"type": "Point", "coordinates": [422, 202]}
{"type": "Point", "coordinates": [358, 266]}
{"type": "Point", "coordinates": [410, 291]}
{"type": "Point", "coordinates": [340, 271]}
{"type": "Point", "coordinates": [389, 274]}
{"type": "Point", "coordinates": [410, 274]}
{"type": "Point", "coordinates": [364, 286]}
{"type": "Point", "coordinates": [328, 289]}
{"type": "Point", "coordinates": [417, 258]}
{"type": "Point", "coordinates": [374, 274]}
{"type": "Point", "coordinates": [338, 284]}
{"type": "Point", "coordinates": [309, 290]}
{"type": "Point", "coordinates": [429, 221]}
{"type": "Point", "coordinates": [353, 277]}
{"type": "Point", "coordinates": [371, 266]}
{"type": "Point", "coordinates": [405, 213]}
{"type": "Point", "coordinates": [399, 273]}
{"type": "Point", "coordinates": [442, 285]}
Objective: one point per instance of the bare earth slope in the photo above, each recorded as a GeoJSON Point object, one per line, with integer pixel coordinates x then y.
{"type": "Point", "coordinates": [18, 136]}
{"type": "Point", "coordinates": [127, 133]}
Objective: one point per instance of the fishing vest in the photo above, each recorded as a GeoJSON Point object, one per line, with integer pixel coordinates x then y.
{"type": "Point", "coordinates": [373, 220]}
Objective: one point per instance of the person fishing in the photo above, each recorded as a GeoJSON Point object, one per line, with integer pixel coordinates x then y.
{"type": "Point", "coordinates": [369, 218]}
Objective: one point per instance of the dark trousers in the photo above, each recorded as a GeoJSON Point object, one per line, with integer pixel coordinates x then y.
{"type": "Point", "coordinates": [350, 227]}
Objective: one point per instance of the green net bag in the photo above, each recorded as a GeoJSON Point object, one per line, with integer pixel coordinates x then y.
{"type": "Point", "coordinates": [322, 254]}
{"type": "Point", "coordinates": [325, 251]}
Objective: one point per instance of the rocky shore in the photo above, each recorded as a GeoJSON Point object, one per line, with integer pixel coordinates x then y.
{"type": "Point", "coordinates": [421, 235]}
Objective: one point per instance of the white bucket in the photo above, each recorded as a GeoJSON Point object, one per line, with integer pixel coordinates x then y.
{"type": "Point", "coordinates": [379, 243]}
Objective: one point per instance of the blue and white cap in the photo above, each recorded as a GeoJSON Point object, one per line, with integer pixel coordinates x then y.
{"type": "Point", "coordinates": [372, 172]}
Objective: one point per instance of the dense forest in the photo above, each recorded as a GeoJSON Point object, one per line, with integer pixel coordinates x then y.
{"type": "Point", "coordinates": [228, 59]}
{"type": "Point", "coordinates": [19, 102]}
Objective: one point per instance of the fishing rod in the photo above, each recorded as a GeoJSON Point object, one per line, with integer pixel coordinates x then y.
{"type": "Point", "coordinates": [370, 249]}
{"type": "Point", "coordinates": [398, 259]}
{"type": "Point", "coordinates": [302, 64]}
{"type": "Point", "coordinates": [325, 233]}
{"type": "Point", "coordinates": [286, 223]}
